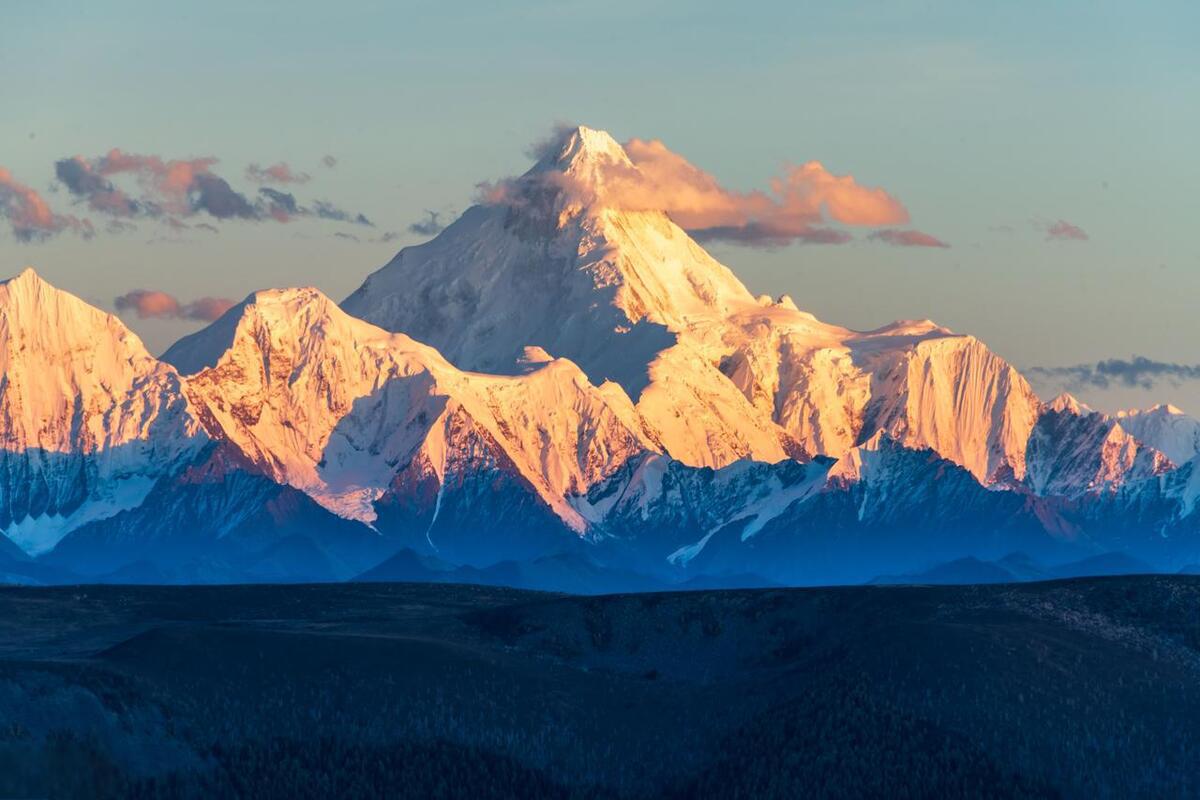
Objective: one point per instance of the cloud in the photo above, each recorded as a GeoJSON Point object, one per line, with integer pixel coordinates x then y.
{"type": "Point", "coordinates": [1135, 372]}
{"type": "Point", "coordinates": [276, 173]}
{"type": "Point", "coordinates": [178, 189]}
{"type": "Point", "coordinates": [175, 187]}
{"type": "Point", "coordinates": [173, 183]}
{"type": "Point", "coordinates": [329, 161]}
{"type": "Point", "coordinates": [214, 195]}
{"type": "Point", "coordinates": [327, 210]}
{"type": "Point", "coordinates": [31, 217]}
{"type": "Point", "coordinates": [281, 205]}
{"type": "Point", "coordinates": [1064, 231]}
{"type": "Point", "coordinates": [117, 226]}
{"type": "Point", "coordinates": [208, 308]}
{"type": "Point", "coordinates": [762, 234]}
{"type": "Point", "coordinates": [799, 205]}
{"type": "Point", "coordinates": [83, 181]}
{"type": "Point", "coordinates": [427, 227]}
{"type": "Point", "coordinates": [154, 304]}
{"type": "Point", "coordinates": [906, 238]}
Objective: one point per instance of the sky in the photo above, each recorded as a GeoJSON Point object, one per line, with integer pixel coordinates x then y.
{"type": "Point", "coordinates": [1051, 146]}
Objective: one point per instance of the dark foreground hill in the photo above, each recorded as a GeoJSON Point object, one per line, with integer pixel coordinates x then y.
{"type": "Point", "coordinates": [1074, 688]}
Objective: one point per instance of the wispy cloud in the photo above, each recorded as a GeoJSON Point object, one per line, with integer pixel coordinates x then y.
{"type": "Point", "coordinates": [906, 238]}
{"type": "Point", "coordinates": [1063, 231]}
{"type": "Point", "coordinates": [276, 173]}
{"type": "Point", "coordinates": [1134, 372]}
{"type": "Point", "coordinates": [30, 216]}
{"type": "Point", "coordinates": [155, 304]}
{"type": "Point", "coordinates": [427, 227]}
{"type": "Point", "coordinates": [326, 210]}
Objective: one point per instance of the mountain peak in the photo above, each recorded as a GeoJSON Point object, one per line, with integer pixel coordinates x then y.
{"type": "Point", "coordinates": [1168, 409]}
{"type": "Point", "coordinates": [54, 318]}
{"type": "Point", "coordinates": [1069, 403]}
{"type": "Point", "coordinates": [579, 148]}
{"type": "Point", "coordinates": [29, 283]}
{"type": "Point", "coordinates": [27, 275]}
{"type": "Point", "coordinates": [302, 313]}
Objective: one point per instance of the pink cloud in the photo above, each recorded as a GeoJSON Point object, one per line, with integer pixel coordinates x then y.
{"type": "Point", "coordinates": [208, 308]}
{"type": "Point", "coordinates": [155, 304]}
{"type": "Point", "coordinates": [30, 215]}
{"type": "Point", "coordinates": [276, 173]}
{"type": "Point", "coordinates": [1065, 231]}
{"type": "Point", "coordinates": [172, 180]}
{"type": "Point", "coordinates": [794, 207]}
{"type": "Point", "coordinates": [906, 238]}
{"type": "Point", "coordinates": [798, 206]}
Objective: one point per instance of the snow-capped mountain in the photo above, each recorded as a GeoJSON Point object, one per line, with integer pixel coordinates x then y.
{"type": "Point", "coordinates": [336, 407]}
{"type": "Point", "coordinates": [553, 375]}
{"type": "Point", "coordinates": [716, 373]}
{"type": "Point", "coordinates": [1074, 450]}
{"type": "Point", "coordinates": [88, 419]}
{"type": "Point", "coordinates": [1166, 429]}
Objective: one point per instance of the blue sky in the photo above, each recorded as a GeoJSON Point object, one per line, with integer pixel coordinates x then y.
{"type": "Point", "coordinates": [988, 121]}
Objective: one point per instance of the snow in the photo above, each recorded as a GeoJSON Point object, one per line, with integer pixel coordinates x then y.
{"type": "Point", "coordinates": [38, 535]}
{"type": "Point", "coordinates": [1074, 451]}
{"type": "Point", "coordinates": [583, 347]}
{"type": "Point", "coordinates": [90, 418]}
{"type": "Point", "coordinates": [335, 406]}
{"type": "Point", "coordinates": [770, 499]}
{"type": "Point", "coordinates": [1165, 428]}
{"type": "Point", "coordinates": [716, 373]}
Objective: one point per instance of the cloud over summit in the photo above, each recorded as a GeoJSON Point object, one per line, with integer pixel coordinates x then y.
{"type": "Point", "coordinates": [799, 205]}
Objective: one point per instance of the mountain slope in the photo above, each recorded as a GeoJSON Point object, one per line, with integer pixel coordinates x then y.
{"type": "Point", "coordinates": [222, 517]}
{"type": "Point", "coordinates": [88, 419]}
{"type": "Point", "coordinates": [338, 408]}
{"type": "Point", "coordinates": [717, 374]}
{"type": "Point", "coordinates": [1074, 451]}
{"type": "Point", "coordinates": [1165, 428]}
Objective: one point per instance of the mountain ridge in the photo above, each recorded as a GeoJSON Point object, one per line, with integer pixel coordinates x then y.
{"type": "Point", "coordinates": [553, 373]}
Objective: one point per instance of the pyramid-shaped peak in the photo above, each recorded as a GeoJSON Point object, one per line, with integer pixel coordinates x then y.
{"type": "Point", "coordinates": [1168, 409]}
{"type": "Point", "coordinates": [28, 280]}
{"type": "Point", "coordinates": [27, 275]}
{"type": "Point", "coordinates": [581, 150]}
{"type": "Point", "coordinates": [1067, 402]}
{"type": "Point", "coordinates": [29, 295]}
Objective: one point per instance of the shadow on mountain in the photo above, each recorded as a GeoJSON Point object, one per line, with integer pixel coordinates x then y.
{"type": "Point", "coordinates": [222, 519]}
{"type": "Point", "coordinates": [47, 488]}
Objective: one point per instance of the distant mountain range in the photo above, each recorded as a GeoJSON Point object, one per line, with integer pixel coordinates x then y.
{"type": "Point", "coordinates": [555, 393]}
